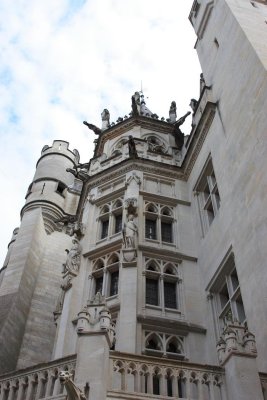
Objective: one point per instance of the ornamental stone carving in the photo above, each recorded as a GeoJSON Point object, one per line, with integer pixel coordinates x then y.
{"type": "Point", "coordinates": [130, 232]}
{"type": "Point", "coordinates": [74, 393]}
{"type": "Point", "coordinates": [72, 264]}
{"type": "Point", "coordinates": [236, 339]}
{"type": "Point", "coordinates": [96, 318]}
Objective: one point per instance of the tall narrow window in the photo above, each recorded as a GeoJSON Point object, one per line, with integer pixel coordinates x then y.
{"type": "Point", "coordinates": [152, 292]}
{"type": "Point", "coordinates": [114, 283]}
{"type": "Point", "coordinates": [104, 232]}
{"type": "Point", "coordinates": [170, 295]}
{"type": "Point", "coordinates": [226, 294]}
{"type": "Point", "coordinates": [151, 229]}
{"type": "Point", "coordinates": [159, 222]}
{"type": "Point", "coordinates": [118, 223]}
{"type": "Point", "coordinates": [166, 232]}
{"type": "Point", "coordinates": [207, 195]}
{"type": "Point", "coordinates": [99, 284]}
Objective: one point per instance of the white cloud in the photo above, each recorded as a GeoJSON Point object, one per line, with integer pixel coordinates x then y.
{"type": "Point", "coordinates": [63, 61]}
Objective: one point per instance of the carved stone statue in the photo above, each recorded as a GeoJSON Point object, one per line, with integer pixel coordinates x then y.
{"type": "Point", "coordinates": [202, 82]}
{"type": "Point", "coordinates": [136, 104]}
{"type": "Point", "coordinates": [193, 104]}
{"type": "Point", "coordinates": [132, 147]}
{"type": "Point", "coordinates": [74, 257]}
{"type": "Point", "coordinates": [105, 116]}
{"type": "Point", "coordinates": [130, 232]}
{"type": "Point", "coordinates": [172, 112]}
{"type": "Point", "coordinates": [178, 134]}
{"type": "Point", "coordinates": [93, 128]}
{"type": "Point", "coordinates": [74, 393]}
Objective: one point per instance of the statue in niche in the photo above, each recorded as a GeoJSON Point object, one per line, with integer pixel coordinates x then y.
{"type": "Point", "coordinates": [178, 134]}
{"type": "Point", "coordinates": [72, 264]}
{"type": "Point", "coordinates": [130, 232]}
{"type": "Point", "coordinates": [132, 147]}
{"type": "Point", "coordinates": [172, 112]}
{"type": "Point", "coordinates": [105, 116]}
{"type": "Point", "coordinates": [155, 146]}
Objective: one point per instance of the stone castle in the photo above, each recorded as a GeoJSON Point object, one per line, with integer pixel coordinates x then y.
{"type": "Point", "coordinates": [141, 274]}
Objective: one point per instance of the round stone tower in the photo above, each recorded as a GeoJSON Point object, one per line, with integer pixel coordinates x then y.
{"type": "Point", "coordinates": [50, 182]}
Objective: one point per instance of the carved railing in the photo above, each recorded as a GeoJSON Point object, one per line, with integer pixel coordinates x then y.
{"type": "Point", "coordinates": [38, 382]}
{"type": "Point", "coordinates": [169, 378]}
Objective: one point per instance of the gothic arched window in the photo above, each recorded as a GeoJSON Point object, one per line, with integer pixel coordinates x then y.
{"type": "Point", "coordinates": [158, 223]}
{"type": "Point", "coordinates": [162, 284]}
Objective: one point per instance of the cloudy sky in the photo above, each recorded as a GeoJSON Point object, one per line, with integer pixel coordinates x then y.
{"type": "Point", "coordinates": [63, 61]}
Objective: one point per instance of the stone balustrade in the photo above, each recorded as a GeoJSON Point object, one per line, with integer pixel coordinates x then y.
{"type": "Point", "coordinates": [168, 378]}
{"type": "Point", "coordinates": [38, 382]}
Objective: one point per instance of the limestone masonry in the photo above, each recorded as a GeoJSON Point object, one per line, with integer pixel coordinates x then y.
{"type": "Point", "coordinates": [142, 273]}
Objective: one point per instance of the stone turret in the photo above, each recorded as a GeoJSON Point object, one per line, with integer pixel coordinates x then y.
{"type": "Point", "coordinates": [50, 183]}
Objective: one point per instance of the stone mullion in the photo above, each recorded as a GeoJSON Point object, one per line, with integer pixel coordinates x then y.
{"type": "Point", "coordinates": [161, 294]}
{"type": "Point", "coordinates": [200, 389]}
{"type": "Point", "coordinates": [20, 395]}
{"type": "Point", "coordinates": [11, 391]}
{"type": "Point", "coordinates": [90, 291]}
{"type": "Point", "coordinates": [49, 384]}
{"type": "Point", "coordinates": [163, 383]}
{"type": "Point", "coordinates": [188, 385]}
{"type": "Point", "coordinates": [57, 387]}
{"type": "Point", "coordinates": [105, 282]}
{"type": "Point", "coordinates": [123, 380]}
{"type": "Point", "coordinates": [136, 381]}
{"type": "Point", "coordinates": [30, 387]}
{"type": "Point", "coordinates": [40, 385]}
{"type": "Point", "coordinates": [212, 392]}
{"type": "Point", "coordinates": [3, 391]}
{"type": "Point", "coordinates": [175, 384]}
{"type": "Point", "coordinates": [150, 381]}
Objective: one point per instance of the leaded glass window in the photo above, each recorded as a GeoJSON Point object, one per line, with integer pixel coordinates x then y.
{"type": "Point", "coordinates": [170, 294]}
{"type": "Point", "coordinates": [114, 283]}
{"type": "Point", "coordinates": [166, 232]}
{"type": "Point", "coordinates": [152, 291]}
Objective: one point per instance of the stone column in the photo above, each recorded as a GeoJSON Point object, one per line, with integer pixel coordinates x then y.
{"type": "Point", "coordinates": [95, 337]}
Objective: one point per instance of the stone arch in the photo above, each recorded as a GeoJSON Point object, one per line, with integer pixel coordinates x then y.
{"type": "Point", "coordinates": [113, 258]}
{"type": "Point", "coordinates": [104, 209]}
{"type": "Point", "coordinates": [98, 264]}
{"type": "Point", "coordinates": [152, 265]}
{"type": "Point", "coordinates": [174, 345]}
{"type": "Point", "coordinates": [169, 269]}
{"type": "Point", "coordinates": [153, 342]}
{"type": "Point", "coordinates": [151, 207]}
{"type": "Point", "coordinates": [165, 210]}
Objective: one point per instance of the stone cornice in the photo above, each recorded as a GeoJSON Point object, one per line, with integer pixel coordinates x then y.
{"type": "Point", "coordinates": [197, 138]}
{"type": "Point", "coordinates": [168, 253]}
{"type": "Point", "coordinates": [124, 126]}
{"type": "Point", "coordinates": [176, 325]}
{"type": "Point", "coordinates": [165, 199]}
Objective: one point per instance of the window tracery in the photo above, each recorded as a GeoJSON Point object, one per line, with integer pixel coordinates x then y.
{"type": "Point", "coordinates": [156, 145]}
{"type": "Point", "coordinates": [159, 343]}
{"type": "Point", "coordinates": [162, 280]}
{"type": "Point", "coordinates": [110, 218]}
{"type": "Point", "coordinates": [105, 275]}
{"type": "Point", "coordinates": [159, 221]}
